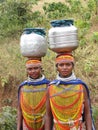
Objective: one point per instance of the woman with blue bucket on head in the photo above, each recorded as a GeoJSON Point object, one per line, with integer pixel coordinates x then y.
{"type": "Point", "coordinates": [32, 92]}
{"type": "Point", "coordinates": [68, 102]}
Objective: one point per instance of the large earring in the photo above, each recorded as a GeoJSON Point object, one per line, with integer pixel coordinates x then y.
{"type": "Point", "coordinates": [42, 70]}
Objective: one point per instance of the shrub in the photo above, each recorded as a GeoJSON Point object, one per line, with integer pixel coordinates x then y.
{"type": "Point", "coordinates": [8, 118]}
{"type": "Point", "coordinates": [14, 16]}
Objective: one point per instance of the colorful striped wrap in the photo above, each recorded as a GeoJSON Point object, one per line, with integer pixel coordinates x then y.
{"type": "Point", "coordinates": [73, 82]}
{"type": "Point", "coordinates": [32, 97]}
{"type": "Point", "coordinates": [67, 105]}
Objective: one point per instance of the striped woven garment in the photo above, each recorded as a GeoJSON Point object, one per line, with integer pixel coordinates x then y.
{"type": "Point", "coordinates": [33, 99]}
{"type": "Point", "coordinates": [67, 105]}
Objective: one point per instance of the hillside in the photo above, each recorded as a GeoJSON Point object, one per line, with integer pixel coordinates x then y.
{"type": "Point", "coordinates": [12, 68]}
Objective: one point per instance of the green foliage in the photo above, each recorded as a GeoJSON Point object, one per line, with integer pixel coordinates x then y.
{"type": "Point", "coordinates": [55, 10]}
{"type": "Point", "coordinates": [95, 37]}
{"type": "Point", "coordinates": [7, 101]}
{"type": "Point", "coordinates": [86, 16]}
{"type": "Point", "coordinates": [4, 81]}
{"type": "Point", "coordinates": [70, 9]}
{"type": "Point", "coordinates": [8, 118]}
{"type": "Point", "coordinates": [95, 112]}
{"type": "Point", "coordinates": [2, 1]}
{"type": "Point", "coordinates": [92, 5]}
{"type": "Point", "coordinates": [14, 15]}
{"type": "Point", "coordinates": [88, 66]}
{"type": "Point", "coordinates": [83, 24]}
{"type": "Point", "coordinates": [37, 18]}
{"type": "Point", "coordinates": [82, 42]}
{"type": "Point", "coordinates": [75, 6]}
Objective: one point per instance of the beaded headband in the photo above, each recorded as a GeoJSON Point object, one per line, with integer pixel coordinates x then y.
{"type": "Point", "coordinates": [34, 62]}
{"type": "Point", "coordinates": [64, 57]}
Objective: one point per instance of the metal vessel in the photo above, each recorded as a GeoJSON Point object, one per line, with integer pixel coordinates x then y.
{"type": "Point", "coordinates": [63, 36]}
{"type": "Point", "coordinates": [33, 42]}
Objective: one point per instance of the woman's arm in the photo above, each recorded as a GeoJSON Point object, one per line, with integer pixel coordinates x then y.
{"type": "Point", "coordinates": [87, 113]}
{"type": "Point", "coordinates": [49, 117]}
{"type": "Point", "coordinates": [19, 118]}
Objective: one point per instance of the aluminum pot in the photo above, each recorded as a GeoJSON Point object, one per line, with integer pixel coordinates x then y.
{"type": "Point", "coordinates": [63, 36]}
{"type": "Point", "coordinates": [33, 42]}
